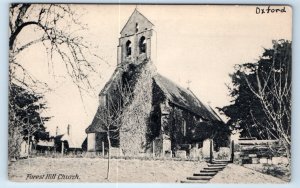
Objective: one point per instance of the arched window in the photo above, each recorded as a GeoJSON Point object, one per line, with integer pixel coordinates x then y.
{"type": "Point", "coordinates": [128, 48]}
{"type": "Point", "coordinates": [142, 44]}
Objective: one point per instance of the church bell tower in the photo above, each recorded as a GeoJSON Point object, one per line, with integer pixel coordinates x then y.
{"type": "Point", "coordinates": [136, 43]}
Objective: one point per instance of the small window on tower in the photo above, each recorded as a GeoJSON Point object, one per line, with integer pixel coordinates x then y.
{"type": "Point", "coordinates": [128, 48]}
{"type": "Point", "coordinates": [136, 27]}
{"type": "Point", "coordinates": [142, 44]}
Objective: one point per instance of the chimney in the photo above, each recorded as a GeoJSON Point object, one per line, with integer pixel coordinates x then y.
{"type": "Point", "coordinates": [57, 131]}
{"type": "Point", "coordinates": [69, 130]}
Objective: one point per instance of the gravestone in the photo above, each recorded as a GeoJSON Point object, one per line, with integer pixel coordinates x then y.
{"type": "Point", "coordinates": [263, 160]}
{"type": "Point", "coordinates": [181, 154]}
{"type": "Point", "coordinates": [166, 145]}
{"type": "Point", "coordinates": [195, 153]}
{"type": "Point", "coordinates": [168, 154]}
{"type": "Point", "coordinates": [255, 160]}
{"type": "Point", "coordinates": [206, 148]}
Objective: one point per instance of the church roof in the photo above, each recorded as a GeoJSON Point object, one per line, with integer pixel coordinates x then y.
{"type": "Point", "coordinates": [184, 98]}
{"type": "Point", "coordinates": [181, 97]}
{"type": "Point", "coordinates": [97, 123]}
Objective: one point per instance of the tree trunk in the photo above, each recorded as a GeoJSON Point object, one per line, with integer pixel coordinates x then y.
{"type": "Point", "coordinates": [28, 144]}
{"type": "Point", "coordinates": [108, 155]}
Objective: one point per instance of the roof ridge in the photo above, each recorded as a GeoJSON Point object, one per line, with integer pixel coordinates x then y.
{"type": "Point", "coordinates": [177, 85]}
{"type": "Point", "coordinates": [184, 97]}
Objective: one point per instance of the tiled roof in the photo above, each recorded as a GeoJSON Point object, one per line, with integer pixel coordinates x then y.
{"type": "Point", "coordinates": [184, 98]}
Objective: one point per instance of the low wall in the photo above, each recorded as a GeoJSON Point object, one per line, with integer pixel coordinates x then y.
{"type": "Point", "coordinates": [258, 152]}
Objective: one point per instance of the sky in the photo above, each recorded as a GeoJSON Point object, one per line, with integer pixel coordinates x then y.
{"type": "Point", "coordinates": [200, 44]}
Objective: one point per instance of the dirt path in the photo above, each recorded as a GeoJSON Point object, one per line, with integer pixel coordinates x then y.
{"type": "Point", "coordinates": [238, 174]}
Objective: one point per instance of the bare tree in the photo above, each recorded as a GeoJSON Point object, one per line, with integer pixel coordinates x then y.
{"type": "Point", "coordinates": [111, 113]}
{"type": "Point", "coordinates": [57, 28]}
{"type": "Point", "coordinates": [272, 86]}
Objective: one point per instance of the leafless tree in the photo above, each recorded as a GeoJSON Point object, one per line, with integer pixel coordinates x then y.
{"type": "Point", "coordinates": [57, 28]}
{"type": "Point", "coordinates": [273, 89]}
{"type": "Point", "coordinates": [111, 113]}
{"type": "Point", "coordinates": [127, 110]}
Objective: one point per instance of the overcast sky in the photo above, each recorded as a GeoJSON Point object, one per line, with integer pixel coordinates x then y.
{"type": "Point", "coordinates": [197, 43]}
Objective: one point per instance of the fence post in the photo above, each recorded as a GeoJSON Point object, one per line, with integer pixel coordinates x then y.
{"type": "Point", "coordinates": [153, 149]}
{"type": "Point", "coordinates": [211, 151]}
{"type": "Point", "coordinates": [232, 151]}
{"type": "Point", "coordinates": [103, 153]}
{"type": "Point", "coordinates": [62, 148]}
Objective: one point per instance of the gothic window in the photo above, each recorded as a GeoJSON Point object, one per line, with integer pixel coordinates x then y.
{"type": "Point", "coordinates": [128, 48]}
{"type": "Point", "coordinates": [183, 128]}
{"type": "Point", "coordinates": [142, 44]}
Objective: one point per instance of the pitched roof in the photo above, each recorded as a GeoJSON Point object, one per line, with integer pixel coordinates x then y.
{"type": "Point", "coordinates": [184, 98]}
{"type": "Point", "coordinates": [97, 124]}
{"type": "Point", "coordinates": [45, 143]}
{"type": "Point", "coordinates": [116, 74]}
{"type": "Point", "coordinates": [177, 95]}
{"type": "Point", "coordinates": [133, 15]}
{"type": "Point", "coordinates": [73, 143]}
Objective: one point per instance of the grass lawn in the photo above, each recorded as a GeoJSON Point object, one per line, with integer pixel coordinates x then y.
{"type": "Point", "coordinates": [41, 169]}
{"type": "Point", "coordinates": [94, 170]}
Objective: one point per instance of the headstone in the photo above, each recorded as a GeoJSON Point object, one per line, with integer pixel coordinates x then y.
{"type": "Point", "coordinates": [91, 142]}
{"type": "Point", "coordinates": [255, 160]}
{"type": "Point", "coordinates": [166, 145]}
{"type": "Point", "coordinates": [158, 146]}
{"type": "Point", "coordinates": [206, 148]}
{"type": "Point", "coordinates": [168, 154]}
{"type": "Point", "coordinates": [181, 154]}
{"type": "Point", "coordinates": [195, 153]}
{"type": "Point", "coordinates": [252, 155]}
{"type": "Point", "coordinates": [263, 160]}
{"type": "Point", "coordinates": [223, 153]}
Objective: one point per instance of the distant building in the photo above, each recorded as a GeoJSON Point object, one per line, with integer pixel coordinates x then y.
{"type": "Point", "coordinates": [58, 143]}
{"type": "Point", "coordinates": [66, 142]}
{"type": "Point", "coordinates": [161, 115]}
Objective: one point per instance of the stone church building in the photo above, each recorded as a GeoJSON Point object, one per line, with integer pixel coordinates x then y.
{"type": "Point", "coordinates": [143, 111]}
